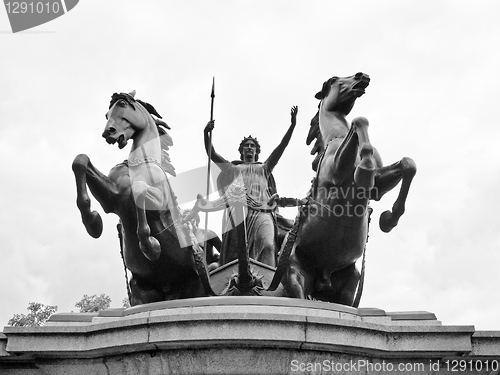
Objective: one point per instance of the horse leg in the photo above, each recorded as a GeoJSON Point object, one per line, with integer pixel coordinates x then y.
{"type": "Point", "coordinates": [387, 178]}
{"type": "Point", "coordinates": [338, 287]}
{"type": "Point", "coordinates": [345, 282]}
{"type": "Point", "coordinates": [297, 281]}
{"type": "Point", "coordinates": [143, 293]}
{"type": "Point", "coordinates": [192, 287]}
{"type": "Point", "coordinates": [82, 167]}
{"type": "Point", "coordinates": [149, 245]}
{"type": "Point", "coordinates": [364, 175]}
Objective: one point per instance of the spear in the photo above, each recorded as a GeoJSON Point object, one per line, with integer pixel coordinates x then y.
{"type": "Point", "coordinates": [212, 95]}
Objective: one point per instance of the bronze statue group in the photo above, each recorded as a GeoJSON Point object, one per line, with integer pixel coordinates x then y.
{"type": "Point", "coordinates": [314, 256]}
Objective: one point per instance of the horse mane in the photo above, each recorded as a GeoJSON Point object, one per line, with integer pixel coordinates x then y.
{"type": "Point", "coordinates": [165, 142]}
{"type": "Point", "coordinates": [319, 147]}
{"type": "Point", "coordinates": [314, 131]}
{"type": "Point", "coordinates": [165, 138]}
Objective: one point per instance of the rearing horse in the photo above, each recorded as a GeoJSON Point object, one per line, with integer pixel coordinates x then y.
{"type": "Point", "coordinates": [332, 228]}
{"type": "Point", "coordinates": [159, 250]}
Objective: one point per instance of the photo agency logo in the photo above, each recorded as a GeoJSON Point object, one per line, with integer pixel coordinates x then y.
{"type": "Point", "coordinates": [24, 15]}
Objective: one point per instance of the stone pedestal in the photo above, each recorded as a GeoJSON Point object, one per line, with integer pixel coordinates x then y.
{"type": "Point", "coordinates": [247, 335]}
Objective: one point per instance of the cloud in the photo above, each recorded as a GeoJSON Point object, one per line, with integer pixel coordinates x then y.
{"type": "Point", "coordinates": [433, 96]}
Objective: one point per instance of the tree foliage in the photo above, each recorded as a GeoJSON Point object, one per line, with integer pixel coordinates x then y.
{"type": "Point", "coordinates": [126, 302]}
{"type": "Point", "coordinates": [93, 303]}
{"type": "Point", "coordinates": [37, 315]}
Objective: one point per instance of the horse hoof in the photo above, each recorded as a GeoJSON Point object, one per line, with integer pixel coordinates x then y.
{"type": "Point", "coordinates": [386, 222]}
{"type": "Point", "coordinates": [151, 249]}
{"type": "Point", "coordinates": [93, 224]}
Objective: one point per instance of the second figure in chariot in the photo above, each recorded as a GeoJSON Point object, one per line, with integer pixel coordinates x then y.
{"type": "Point", "coordinates": [261, 227]}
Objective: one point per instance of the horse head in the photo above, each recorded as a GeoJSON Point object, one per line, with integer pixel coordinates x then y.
{"type": "Point", "coordinates": [339, 94]}
{"type": "Point", "coordinates": [126, 117]}
{"type": "Point", "coordinates": [337, 98]}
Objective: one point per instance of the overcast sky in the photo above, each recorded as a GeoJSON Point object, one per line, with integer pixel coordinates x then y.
{"type": "Point", "coordinates": [434, 96]}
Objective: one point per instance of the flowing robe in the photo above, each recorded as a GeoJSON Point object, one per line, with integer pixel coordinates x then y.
{"type": "Point", "coordinates": [260, 226]}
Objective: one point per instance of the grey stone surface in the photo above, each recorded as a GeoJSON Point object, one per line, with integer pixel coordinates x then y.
{"type": "Point", "coordinates": [411, 315]}
{"type": "Point", "coordinates": [486, 343]}
{"type": "Point", "coordinates": [247, 336]}
{"type": "Point", "coordinates": [73, 317]}
{"type": "Point", "coordinates": [3, 346]}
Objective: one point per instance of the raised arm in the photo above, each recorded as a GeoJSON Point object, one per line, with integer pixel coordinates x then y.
{"type": "Point", "coordinates": [216, 158]}
{"type": "Point", "coordinates": [278, 151]}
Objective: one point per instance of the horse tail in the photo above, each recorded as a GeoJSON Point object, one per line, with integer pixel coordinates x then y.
{"type": "Point", "coordinates": [202, 269]}
{"type": "Point", "coordinates": [189, 238]}
{"type": "Point", "coordinates": [119, 227]}
{"type": "Point", "coordinates": [289, 245]}
{"type": "Point", "coordinates": [359, 291]}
